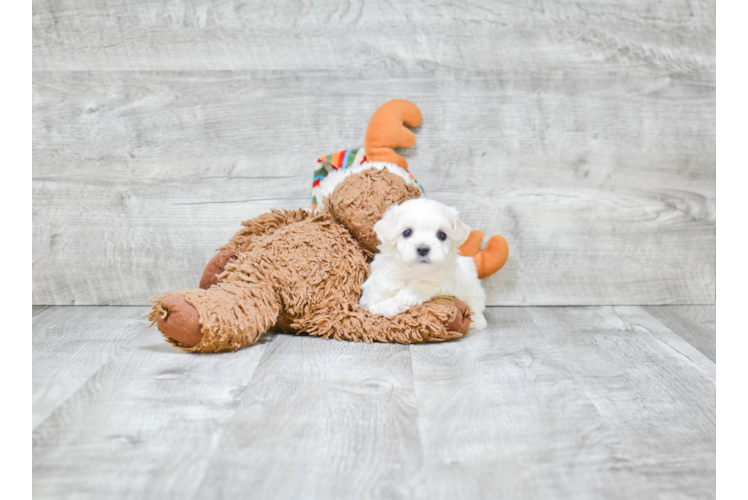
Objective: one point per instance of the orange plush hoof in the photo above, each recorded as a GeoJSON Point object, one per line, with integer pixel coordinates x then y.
{"type": "Point", "coordinates": [472, 244]}
{"type": "Point", "coordinates": [492, 257]}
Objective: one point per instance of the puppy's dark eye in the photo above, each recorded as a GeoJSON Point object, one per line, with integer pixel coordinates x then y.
{"type": "Point", "coordinates": [407, 233]}
{"type": "Point", "coordinates": [441, 235]}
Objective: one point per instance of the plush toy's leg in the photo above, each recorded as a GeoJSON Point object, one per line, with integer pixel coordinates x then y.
{"type": "Point", "coordinates": [215, 267]}
{"type": "Point", "coordinates": [492, 257]}
{"type": "Point", "coordinates": [442, 318]}
{"type": "Point", "coordinates": [472, 244]}
{"type": "Point", "coordinates": [264, 225]}
{"type": "Point", "coordinates": [225, 317]}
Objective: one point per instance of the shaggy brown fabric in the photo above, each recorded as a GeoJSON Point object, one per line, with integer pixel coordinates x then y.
{"type": "Point", "coordinates": [265, 224]}
{"type": "Point", "coordinates": [303, 272]}
{"type": "Point", "coordinates": [215, 267]}
{"type": "Point", "coordinates": [360, 201]}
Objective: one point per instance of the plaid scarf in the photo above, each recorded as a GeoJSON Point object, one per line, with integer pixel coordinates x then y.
{"type": "Point", "coordinates": [342, 160]}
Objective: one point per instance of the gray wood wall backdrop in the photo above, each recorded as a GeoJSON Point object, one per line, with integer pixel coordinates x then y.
{"type": "Point", "coordinates": [584, 132]}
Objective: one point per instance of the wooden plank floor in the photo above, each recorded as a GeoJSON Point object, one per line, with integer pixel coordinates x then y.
{"type": "Point", "coordinates": [549, 402]}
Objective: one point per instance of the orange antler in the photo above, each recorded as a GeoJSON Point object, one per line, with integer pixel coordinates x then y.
{"type": "Point", "coordinates": [387, 131]}
{"type": "Point", "coordinates": [493, 256]}
{"type": "Point", "coordinates": [472, 244]}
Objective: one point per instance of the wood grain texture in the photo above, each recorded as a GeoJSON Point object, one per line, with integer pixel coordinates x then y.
{"type": "Point", "coordinates": [547, 403]}
{"type": "Point", "coordinates": [601, 180]}
{"type": "Point", "coordinates": [501, 415]}
{"type": "Point", "coordinates": [323, 419]}
{"type": "Point", "coordinates": [37, 310]}
{"type": "Point", "coordinates": [70, 345]}
{"type": "Point", "coordinates": [144, 424]}
{"type": "Point", "coordinates": [696, 324]}
{"type": "Point", "coordinates": [369, 34]}
{"type": "Point", "coordinates": [656, 392]}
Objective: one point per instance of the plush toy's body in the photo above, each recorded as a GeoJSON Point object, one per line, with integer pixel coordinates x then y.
{"type": "Point", "coordinates": [302, 272]}
{"type": "Point", "coordinates": [297, 271]}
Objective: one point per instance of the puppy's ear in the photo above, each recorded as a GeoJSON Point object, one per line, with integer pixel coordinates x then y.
{"type": "Point", "coordinates": [461, 232]}
{"type": "Point", "coordinates": [386, 228]}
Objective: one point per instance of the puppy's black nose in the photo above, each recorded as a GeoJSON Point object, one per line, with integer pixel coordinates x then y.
{"type": "Point", "coordinates": [422, 250]}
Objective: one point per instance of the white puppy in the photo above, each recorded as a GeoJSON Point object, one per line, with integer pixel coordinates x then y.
{"type": "Point", "coordinates": [418, 260]}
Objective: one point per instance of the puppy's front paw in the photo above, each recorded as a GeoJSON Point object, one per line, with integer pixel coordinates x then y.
{"type": "Point", "coordinates": [478, 322]}
{"type": "Point", "coordinates": [409, 298]}
{"type": "Point", "coordinates": [389, 308]}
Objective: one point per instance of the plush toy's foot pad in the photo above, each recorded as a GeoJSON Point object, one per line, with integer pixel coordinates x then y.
{"type": "Point", "coordinates": [182, 323]}
{"type": "Point", "coordinates": [215, 267]}
{"type": "Point", "coordinates": [461, 323]}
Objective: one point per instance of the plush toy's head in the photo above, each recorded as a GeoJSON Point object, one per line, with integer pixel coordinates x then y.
{"type": "Point", "coordinates": [360, 200]}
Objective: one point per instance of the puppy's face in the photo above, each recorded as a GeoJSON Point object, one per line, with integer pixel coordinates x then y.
{"type": "Point", "coordinates": [423, 232]}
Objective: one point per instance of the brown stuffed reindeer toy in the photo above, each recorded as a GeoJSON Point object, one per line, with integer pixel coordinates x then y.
{"type": "Point", "coordinates": [301, 272]}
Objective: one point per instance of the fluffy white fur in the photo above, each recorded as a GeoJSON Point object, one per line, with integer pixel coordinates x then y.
{"type": "Point", "coordinates": [328, 184]}
{"type": "Point", "coordinates": [402, 276]}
